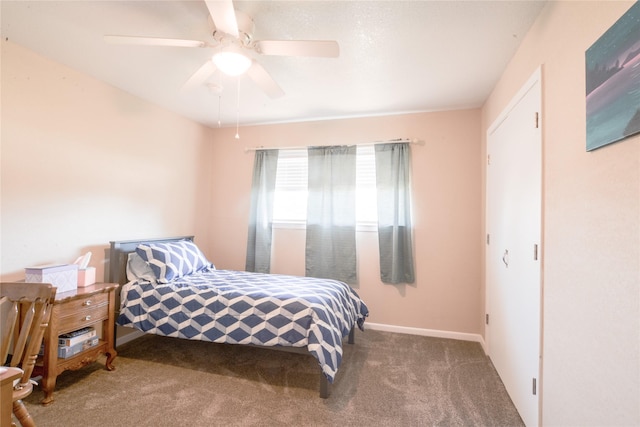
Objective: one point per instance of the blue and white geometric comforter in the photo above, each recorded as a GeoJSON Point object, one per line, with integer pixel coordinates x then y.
{"type": "Point", "coordinates": [240, 307]}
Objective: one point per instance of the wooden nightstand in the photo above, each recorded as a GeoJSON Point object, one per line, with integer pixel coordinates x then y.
{"type": "Point", "coordinates": [71, 311]}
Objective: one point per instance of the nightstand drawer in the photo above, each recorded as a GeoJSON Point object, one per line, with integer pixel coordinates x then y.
{"type": "Point", "coordinates": [81, 318]}
{"type": "Point", "coordinates": [85, 303]}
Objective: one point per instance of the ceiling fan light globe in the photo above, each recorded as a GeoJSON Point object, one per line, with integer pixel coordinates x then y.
{"type": "Point", "coordinates": [231, 63]}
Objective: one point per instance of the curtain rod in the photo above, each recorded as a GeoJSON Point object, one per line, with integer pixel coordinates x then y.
{"type": "Point", "coordinates": [365, 144]}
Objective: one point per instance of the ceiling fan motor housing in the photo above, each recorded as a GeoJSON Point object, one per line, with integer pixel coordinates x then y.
{"type": "Point", "coordinates": [246, 27]}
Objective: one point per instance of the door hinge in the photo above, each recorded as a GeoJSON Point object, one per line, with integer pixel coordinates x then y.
{"type": "Point", "coordinates": [488, 238]}
{"type": "Point", "coordinates": [537, 120]}
{"type": "Point", "coordinates": [488, 159]}
{"type": "Point", "coordinates": [535, 252]}
{"type": "Point", "coordinates": [535, 387]}
{"type": "Point", "coordinates": [486, 318]}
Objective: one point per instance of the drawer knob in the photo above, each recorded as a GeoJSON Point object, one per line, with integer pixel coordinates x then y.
{"type": "Point", "coordinates": [87, 317]}
{"type": "Point", "coordinates": [87, 303]}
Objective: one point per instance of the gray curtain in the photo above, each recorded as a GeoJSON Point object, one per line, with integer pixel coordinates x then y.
{"type": "Point", "coordinates": [261, 215]}
{"type": "Point", "coordinates": [393, 183]}
{"type": "Point", "coordinates": [331, 214]}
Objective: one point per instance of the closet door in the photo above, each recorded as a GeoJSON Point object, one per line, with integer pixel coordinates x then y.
{"type": "Point", "coordinates": [513, 256]}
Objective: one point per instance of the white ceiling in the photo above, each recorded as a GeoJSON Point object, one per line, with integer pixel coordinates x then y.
{"type": "Point", "coordinates": [395, 56]}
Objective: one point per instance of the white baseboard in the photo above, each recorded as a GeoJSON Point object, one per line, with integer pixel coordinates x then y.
{"type": "Point", "coordinates": [374, 326]}
{"type": "Point", "coordinates": [428, 333]}
{"type": "Point", "coordinates": [128, 337]}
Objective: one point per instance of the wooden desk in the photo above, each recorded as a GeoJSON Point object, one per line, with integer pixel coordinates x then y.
{"type": "Point", "coordinates": [7, 376]}
{"type": "Point", "coordinates": [72, 311]}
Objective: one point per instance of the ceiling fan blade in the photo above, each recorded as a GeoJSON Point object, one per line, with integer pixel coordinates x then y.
{"type": "Point", "coordinates": [320, 48]}
{"type": "Point", "coordinates": [153, 41]}
{"type": "Point", "coordinates": [223, 15]}
{"type": "Point", "coordinates": [200, 76]}
{"type": "Point", "coordinates": [260, 76]}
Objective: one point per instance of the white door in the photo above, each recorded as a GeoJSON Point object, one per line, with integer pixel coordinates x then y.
{"type": "Point", "coordinates": [513, 257]}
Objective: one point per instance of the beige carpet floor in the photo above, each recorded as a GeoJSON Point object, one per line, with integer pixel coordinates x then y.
{"type": "Point", "coordinates": [386, 379]}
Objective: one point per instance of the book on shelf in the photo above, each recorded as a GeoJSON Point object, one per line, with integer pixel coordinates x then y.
{"type": "Point", "coordinates": [64, 352]}
{"type": "Point", "coordinates": [75, 337]}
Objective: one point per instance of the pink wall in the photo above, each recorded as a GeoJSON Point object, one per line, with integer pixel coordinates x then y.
{"type": "Point", "coordinates": [591, 251]}
{"type": "Point", "coordinates": [447, 185]}
{"type": "Point", "coordinates": [83, 163]}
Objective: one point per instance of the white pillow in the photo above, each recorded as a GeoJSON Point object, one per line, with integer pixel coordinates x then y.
{"type": "Point", "coordinates": [138, 269]}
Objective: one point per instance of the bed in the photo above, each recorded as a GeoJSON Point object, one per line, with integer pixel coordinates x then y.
{"type": "Point", "coordinates": [169, 288]}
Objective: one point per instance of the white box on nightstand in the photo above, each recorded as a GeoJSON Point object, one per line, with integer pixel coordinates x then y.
{"type": "Point", "coordinates": [86, 276]}
{"type": "Point", "coordinates": [62, 276]}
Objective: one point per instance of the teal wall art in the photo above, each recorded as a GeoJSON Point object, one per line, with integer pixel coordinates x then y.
{"type": "Point", "coordinates": [613, 82]}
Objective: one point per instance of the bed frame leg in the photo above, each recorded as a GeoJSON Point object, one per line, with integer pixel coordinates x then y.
{"type": "Point", "coordinates": [324, 386]}
{"type": "Point", "coordinates": [324, 382]}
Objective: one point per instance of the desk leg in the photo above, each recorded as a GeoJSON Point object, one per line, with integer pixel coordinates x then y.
{"type": "Point", "coordinates": [49, 368]}
{"type": "Point", "coordinates": [6, 394]}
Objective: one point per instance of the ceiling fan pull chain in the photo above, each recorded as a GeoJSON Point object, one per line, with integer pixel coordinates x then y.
{"type": "Point", "coordinates": [238, 110]}
{"type": "Point", "coordinates": [220, 100]}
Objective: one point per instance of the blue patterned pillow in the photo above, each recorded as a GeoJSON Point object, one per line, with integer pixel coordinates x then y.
{"type": "Point", "coordinates": [173, 260]}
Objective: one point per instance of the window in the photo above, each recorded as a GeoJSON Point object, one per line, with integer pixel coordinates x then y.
{"type": "Point", "coordinates": [290, 200]}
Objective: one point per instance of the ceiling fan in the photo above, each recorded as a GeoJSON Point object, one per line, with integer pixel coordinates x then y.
{"type": "Point", "coordinates": [234, 46]}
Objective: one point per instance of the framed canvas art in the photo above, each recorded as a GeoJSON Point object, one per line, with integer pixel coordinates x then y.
{"type": "Point", "coordinates": [613, 82]}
